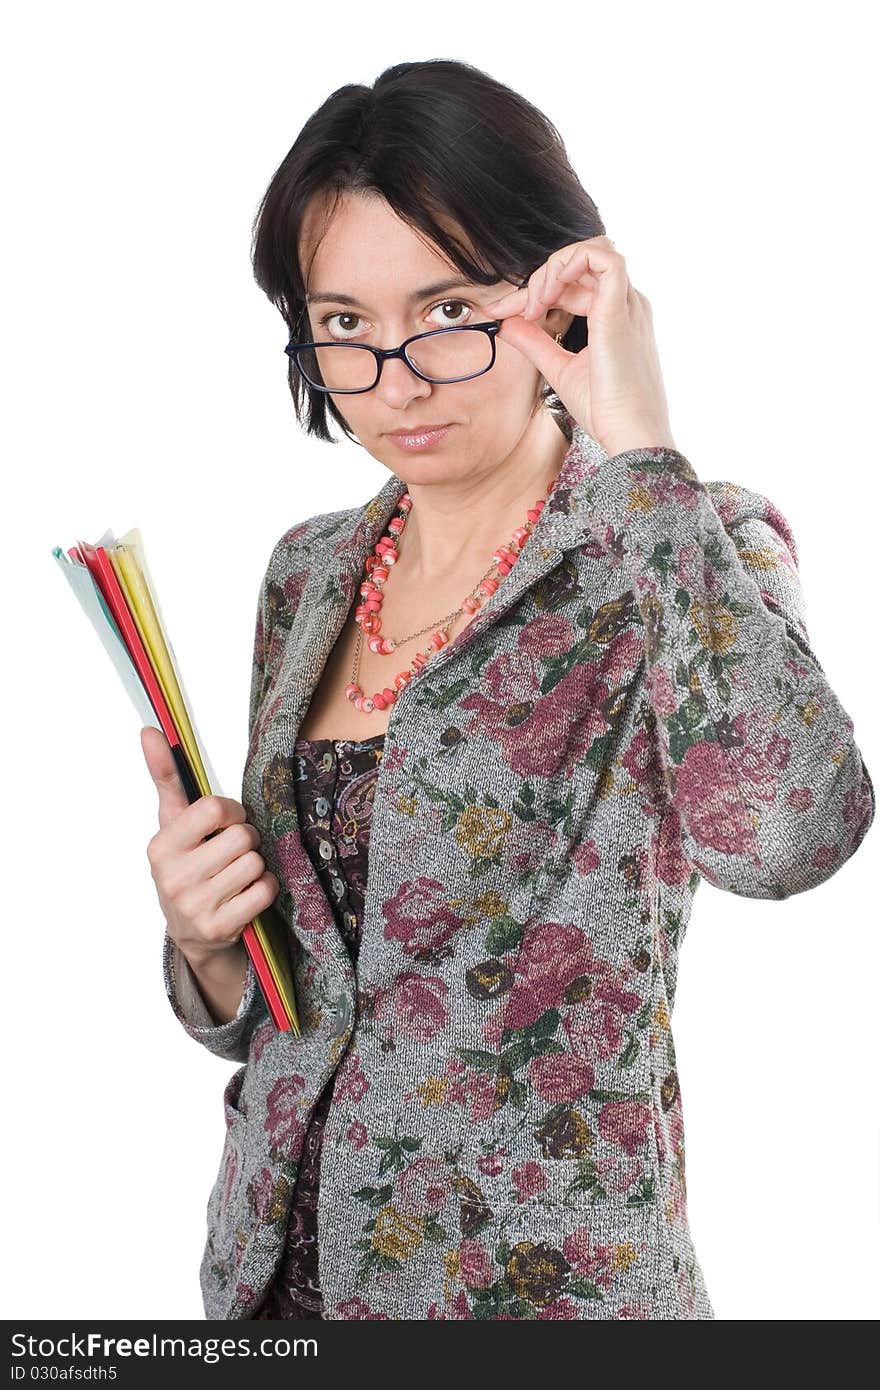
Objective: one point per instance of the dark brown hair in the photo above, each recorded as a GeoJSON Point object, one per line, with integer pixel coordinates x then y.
{"type": "Point", "coordinates": [437, 140]}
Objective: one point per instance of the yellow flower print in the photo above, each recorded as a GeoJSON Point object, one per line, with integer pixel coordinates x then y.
{"type": "Point", "coordinates": [432, 1091]}
{"type": "Point", "coordinates": [484, 906]}
{"type": "Point", "coordinates": [397, 1235]}
{"type": "Point", "coordinates": [407, 805]}
{"type": "Point", "coordinates": [809, 712]}
{"type": "Point", "coordinates": [715, 625]}
{"type": "Point", "coordinates": [481, 830]}
{"type": "Point", "coordinates": [640, 499]}
{"type": "Point", "coordinates": [491, 905]}
{"type": "Point", "coordinates": [661, 1015]}
{"type": "Point", "coordinates": [763, 559]}
{"type": "Point", "coordinates": [625, 1255]}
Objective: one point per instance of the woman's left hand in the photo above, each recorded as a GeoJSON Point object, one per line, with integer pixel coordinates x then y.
{"type": "Point", "coordinates": [614, 386]}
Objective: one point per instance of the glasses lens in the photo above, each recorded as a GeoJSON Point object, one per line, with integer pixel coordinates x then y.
{"type": "Point", "coordinates": [448, 356]}
{"type": "Point", "coordinates": [339, 367]}
{"type": "Point", "coordinates": [459, 352]}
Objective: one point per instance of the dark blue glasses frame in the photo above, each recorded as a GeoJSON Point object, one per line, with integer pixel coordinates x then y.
{"type": "Point", "coordinates": [382, 355]}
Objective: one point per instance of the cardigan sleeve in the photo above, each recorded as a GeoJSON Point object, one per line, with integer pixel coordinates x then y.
{"type": "Point", "coordinates": [756, 750]}
{"type": "Point", "coordinates": [230, 1040]}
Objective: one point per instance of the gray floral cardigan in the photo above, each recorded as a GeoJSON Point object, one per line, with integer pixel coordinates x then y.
{"type": "Point", "coordinates": [636, 707]}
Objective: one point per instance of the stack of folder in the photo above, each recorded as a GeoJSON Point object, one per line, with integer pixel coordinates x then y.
{"type": "Point", "coordinates": [111, 580]}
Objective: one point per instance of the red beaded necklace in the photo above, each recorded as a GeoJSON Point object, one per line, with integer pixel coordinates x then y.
{"type": "Point", "coordinates": [377, 568]}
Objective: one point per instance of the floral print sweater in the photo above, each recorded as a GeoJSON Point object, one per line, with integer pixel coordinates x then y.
{"type": "Point", "coordinates": [636, 708]}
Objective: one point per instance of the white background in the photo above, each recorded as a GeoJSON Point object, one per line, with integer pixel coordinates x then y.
{"type": "Point", "coordinates": [731, 152]}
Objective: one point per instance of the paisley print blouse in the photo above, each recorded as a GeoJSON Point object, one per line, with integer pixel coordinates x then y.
{"type": "Point", "coordinates": [334, 782]}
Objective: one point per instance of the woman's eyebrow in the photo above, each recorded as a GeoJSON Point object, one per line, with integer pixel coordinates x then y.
{"type": "Point", "coordinates": [426, 292]}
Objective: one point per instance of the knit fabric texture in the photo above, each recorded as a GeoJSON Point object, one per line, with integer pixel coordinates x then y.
{"type": "Point", "coordinates": [637, 707]}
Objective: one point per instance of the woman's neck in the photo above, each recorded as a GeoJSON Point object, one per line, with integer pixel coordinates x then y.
{"type": "Point", "coordinates": [456, 527]}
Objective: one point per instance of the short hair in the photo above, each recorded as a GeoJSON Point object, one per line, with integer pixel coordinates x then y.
{"type": "Point", "coordinates": [436, 139]}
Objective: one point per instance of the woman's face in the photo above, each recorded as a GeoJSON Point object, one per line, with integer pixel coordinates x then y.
{"type": "Point", "coordinates": [369, 255]}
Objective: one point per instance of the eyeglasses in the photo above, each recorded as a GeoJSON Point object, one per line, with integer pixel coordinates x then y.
{"type": "Point", "coordinates": [443, 355]}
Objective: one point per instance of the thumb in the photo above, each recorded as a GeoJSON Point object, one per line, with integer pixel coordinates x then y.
{"type": "Point", "coordinates": [163, 770]}
{"type": "Point", "coordinates": [539, 346]}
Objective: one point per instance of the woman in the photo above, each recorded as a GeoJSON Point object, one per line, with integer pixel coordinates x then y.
{"type": "Point", "coordinates": [547, 679]}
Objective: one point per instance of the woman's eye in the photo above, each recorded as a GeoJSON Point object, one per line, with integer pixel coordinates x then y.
{"type": "Point", "coordinates": [449, 322]}
{"type": "Point", "coordinates": [346, 327]}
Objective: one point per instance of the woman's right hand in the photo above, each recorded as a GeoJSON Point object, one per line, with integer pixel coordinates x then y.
{"type": "Point", "coordinates": [209, 889]}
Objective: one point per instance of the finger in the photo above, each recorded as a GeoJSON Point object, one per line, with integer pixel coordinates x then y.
{"type": "Point", "coordinates": [595, 264]}
{"type": "Point", "coordinates": [208, 816]}
{"type": "Point", "coordinates": [570, 265]}
{"type": "Point", "coordinates": [219, 851]}
{"type": "Point", "coordinates": [163, 770]}
{"type": "Point", "coordinates": [534, 292]}
{"type": "Point", "coordinates": [575, 299]}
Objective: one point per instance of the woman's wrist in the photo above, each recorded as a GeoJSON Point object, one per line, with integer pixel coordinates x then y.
{"type": "Point", "coordinates": [221, 976]}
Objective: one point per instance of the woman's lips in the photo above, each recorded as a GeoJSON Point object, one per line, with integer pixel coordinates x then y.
{"type": "Point", "coordinates": [421, 439]}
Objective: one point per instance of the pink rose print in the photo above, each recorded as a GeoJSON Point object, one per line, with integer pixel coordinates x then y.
{"type": "Point", "coordinates": [415, 1006]}
{"type": "Point", "coordinates": [551, 956]}
{"type": "Point", "coordinates": [595, 1025]}
{"type": "Point", "coordinates": [825, 855]}
{"type": "Point", "coordinates": [642, 761]}
{"type": "Point", "coordinates": [351, 1083]}
{"type": "Point", "coordinates": [459, 1310]}
{"type": "Point", "coordinates": [356, 1310]}
{"type": "Point", "coordinates": [475, 1264]}
{"type": "Point", "coordinates": [261, 1037]}
{"type": "Point", "coordinates": [490, 1165]}
{"type": "Point", "coordinates": [357, 1135]}
{"type": "Point", "coordinates": [562, 1309]}
{"type": "Point", "coordinates": [664, 698]}
{"type": "Point", "coordinates": [422, 1187]}
{"type": "Point", "coordinates": [261, 1194]}
{"type": "Point", "coordinates": [709, 801]}
{"type": "Point", "coordinates": [420, 918]}
{"type": "Point", "coordinates": [589, 1257]}
{"type": "Point", "coordinates": [619, 1174]}
{"type": "Point", "coordinates": [693, 572]}
{"type": "Point", "coordinates": [285, 1119]}
{"type": "Point", "coordinates": [625, 1122]}
{"type": "Point", "coordinates": [562, 725]}
{"type": "Point", "coordinates": [529, 1179]}
{"type": "Point", "coordinates": [315, 913]}
{"type": "Point", "coordinates": [586, 857]}
{"type": "Point", "coordinates": [293, 588]}
{"type": "Point", "coordinates": [547, 635]}
{"type": "Point", "coordinates": [560, 1076]}
{"type": "Point", "coordinates": [528, 844]}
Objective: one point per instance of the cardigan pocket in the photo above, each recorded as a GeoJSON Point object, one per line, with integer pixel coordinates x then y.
{"type": "Point", "coordinates": [228, 1180]}
{"type": "Point", "coordinates": [223, 1210]}
{"type": "Point", "coordinates": [525, 1260]}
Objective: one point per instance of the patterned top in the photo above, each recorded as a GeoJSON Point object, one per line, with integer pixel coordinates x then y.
{"type": "Point", "coordinates": [334, 784]}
